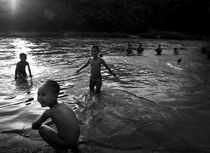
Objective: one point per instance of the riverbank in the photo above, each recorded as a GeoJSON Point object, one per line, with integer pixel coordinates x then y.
{"type": "Point", "coordinates": [150, 35]}
{"type": "Point", "coordinates": [14, 143]}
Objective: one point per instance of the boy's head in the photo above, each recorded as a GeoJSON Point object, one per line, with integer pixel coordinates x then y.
{"type": "Point", "coordinates": [48, 93]}
{"type": "Point", "coordinates": [94, 50]}
{"type": "Point", "coordinates": [23, 56]}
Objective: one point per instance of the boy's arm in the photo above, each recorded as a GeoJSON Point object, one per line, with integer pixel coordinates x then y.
{"type": "Point", "coordinates": [49, 122]}
{"type": "Point", "coordinates": [29, 70]}
{"type": "Point", "coordinates": [43, 118]}
{"type": "Point", "coordinates": [84, 66]}
{"type": "Point", "coordinates": [16, 72]}
{"type": "Point", "coordinates": [107, 67]}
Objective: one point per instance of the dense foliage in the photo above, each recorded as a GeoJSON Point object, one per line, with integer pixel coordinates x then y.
{"type": "Point", "coordinates": [134, 16]}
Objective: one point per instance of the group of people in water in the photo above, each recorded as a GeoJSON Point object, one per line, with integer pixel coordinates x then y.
{"type": "Point", "coordinates": [67, 131]}
{"type": "Point", "coordinates": [129, 51]}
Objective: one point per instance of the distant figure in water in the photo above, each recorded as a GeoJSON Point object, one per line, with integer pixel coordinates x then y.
{"type": "Point", "coordinates": [176, 52]}
{"type": "Point", "coordinates": [159, 50]}
{"type": "Point", "coordinates": [208, 54]}
{"type": "Point", "coordinates": [95, 64]}
{"type": "Point", "coordinates": [140, 49]}
{"type": "Point", "coordinates": [21, 66]}
{"type": "Point", "coordinates": [129, 50]}
{"type": "Point", "coordinates": [204, 50]}
{"type": "Point", "coordinates": [179, 61]}
{"type": "Point", "coordinates": [67, 131]}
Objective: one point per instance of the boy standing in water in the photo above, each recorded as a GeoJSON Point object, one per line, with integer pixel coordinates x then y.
{"type": "Point", "coordinates": [140, 49]}
{"type": "Point", "coordinates": [21, 66]}
{"type": "Point", "coordinates": [129, 50]}
{"type": "Point", "coordinates": [67, 133]}
{"type": "Point", "coordinates": [95, 65]}
{"type": "Point", "coordinates": [159, 50]}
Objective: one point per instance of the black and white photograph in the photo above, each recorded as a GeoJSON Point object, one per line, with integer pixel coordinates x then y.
{"type": "Point", "coordinates": [105, 76]}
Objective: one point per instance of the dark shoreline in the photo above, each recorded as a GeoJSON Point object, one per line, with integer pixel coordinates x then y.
{"type": "Point", "coordinates": [73, 34]}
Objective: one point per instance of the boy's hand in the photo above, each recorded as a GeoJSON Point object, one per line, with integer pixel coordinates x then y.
{"type": "Point", "coordinates": [35, 125]}
{"type": "Point", "coordinates": [114, 74]}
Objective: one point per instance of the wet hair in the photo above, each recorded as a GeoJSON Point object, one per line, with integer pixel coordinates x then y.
{"type": "Point", "coordinates": [53, 85]}
{"type": "Point", "coordinates": [179, 60]}
{"type": "Point", "coordinates": [23, 55]}
{"type": "Point", "coordinates": [96, 47]}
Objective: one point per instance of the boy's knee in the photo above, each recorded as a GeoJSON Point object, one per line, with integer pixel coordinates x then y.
{"type": "Point", "coordinates": [75, 149]}
{"type": "Point", "coordinates": [98, 90]}
{"type": "Point", "coordinates": [42, 129]}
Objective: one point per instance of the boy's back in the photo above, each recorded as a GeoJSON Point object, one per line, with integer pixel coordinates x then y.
{"type": "Point", "coordinates": [66, 123]}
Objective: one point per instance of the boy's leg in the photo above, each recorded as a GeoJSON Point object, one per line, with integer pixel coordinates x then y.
{"type": "Point", "coordinates": [75, 149]}
{"type": "Point", "coordinates": [91, 85]}
{"type": "Point", "coordinates": [51, 137]}
{"type": "Point", "coordinates": [98, 86]}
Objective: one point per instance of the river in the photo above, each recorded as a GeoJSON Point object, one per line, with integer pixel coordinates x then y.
{"type": "Point", "coordinates": [181, 91]}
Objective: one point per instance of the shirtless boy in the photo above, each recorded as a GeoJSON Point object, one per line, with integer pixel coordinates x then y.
{"type": "Point", "coordinates": [20, 71]}
{"type": "Point", "coordinates": [95, 65]}
{"type": "Point", "coordinates": [67, 128]}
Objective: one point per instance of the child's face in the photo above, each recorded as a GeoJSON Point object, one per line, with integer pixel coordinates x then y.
{"type": "Point", "coordinates": [23, 58]}
{"type": "Point", "coordinates": [94, 52]}
{"type": "Point", "coordinates": [46, 97]}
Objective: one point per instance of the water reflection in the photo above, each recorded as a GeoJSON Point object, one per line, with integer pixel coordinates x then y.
{"type": "Point", "coordinates": [24, 84]}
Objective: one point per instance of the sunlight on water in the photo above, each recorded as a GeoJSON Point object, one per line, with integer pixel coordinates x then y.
{"type": "Point", "coordinates": [21, 46]}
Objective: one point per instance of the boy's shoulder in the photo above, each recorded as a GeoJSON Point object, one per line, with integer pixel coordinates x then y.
{"type": "Point", "coordinates": [61, 107]}
{"type": "Point", "coordinates": [101, 59]}
{"type": "Point", "coordinates": [22, 62]}
{"type": "Point", "coordinates": [98, 58]}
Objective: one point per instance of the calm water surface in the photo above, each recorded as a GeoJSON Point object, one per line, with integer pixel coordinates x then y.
{"type": "Point", "coordinates": [185, 88]}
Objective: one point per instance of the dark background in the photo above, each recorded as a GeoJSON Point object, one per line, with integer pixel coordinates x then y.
{"type": "Point", "coordinates": [130, 16]}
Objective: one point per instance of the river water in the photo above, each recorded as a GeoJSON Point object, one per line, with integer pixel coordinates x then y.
{"type": "Point", "coordinates": [181, 91]}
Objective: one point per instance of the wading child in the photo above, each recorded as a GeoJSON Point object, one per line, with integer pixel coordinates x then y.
{"type": "Point", "coordinates": [129, 50]}
{"type": "Point", "coordinates": [67, 128]}
{"type": "Point", "coordinates": [95, 66]}
{"type": "Point", "coordinates": [140, 49]}
{"type": "Point", "coordinates": [21, 66]}
{"type": "Point", "coordinates": [159, 50]}
{"type": "Point", "coordinates": [176, 52]}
